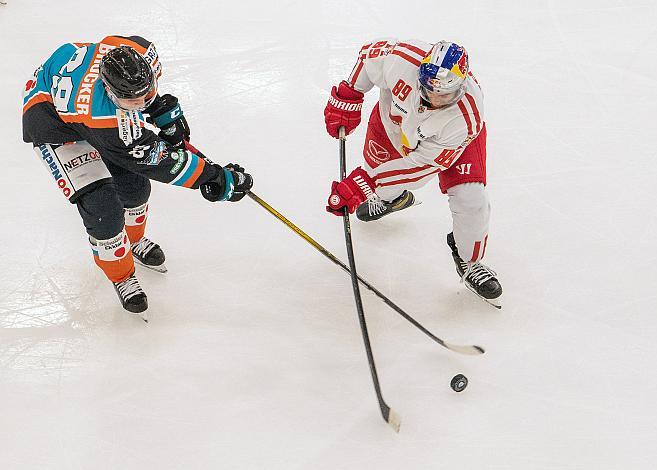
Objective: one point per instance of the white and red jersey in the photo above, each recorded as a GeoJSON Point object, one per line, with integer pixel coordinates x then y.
{"type": "Point", "coordinates": [423, 136]}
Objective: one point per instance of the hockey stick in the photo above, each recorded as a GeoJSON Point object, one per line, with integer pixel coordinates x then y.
{"type": "Point", "coordinates": [388, 414]}
{"type": "Point", "coordinates": [471, 350]}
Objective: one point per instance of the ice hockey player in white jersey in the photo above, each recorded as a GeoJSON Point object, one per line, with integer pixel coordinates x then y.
{"type": "Point", "coordinates": [429, 121]}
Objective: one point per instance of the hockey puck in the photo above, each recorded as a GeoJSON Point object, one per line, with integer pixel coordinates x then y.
{"type": "Point", "coordinates": [459, 382]}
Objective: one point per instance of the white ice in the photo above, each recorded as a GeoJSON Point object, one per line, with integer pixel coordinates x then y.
{"type": "Point", "coordinates": [253, 358]}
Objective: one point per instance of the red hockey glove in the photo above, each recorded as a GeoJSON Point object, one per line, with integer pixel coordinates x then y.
{"type": "Point", "coordinates": [343, 109]}
{"type": "Point", "coordinates": [350, 192]}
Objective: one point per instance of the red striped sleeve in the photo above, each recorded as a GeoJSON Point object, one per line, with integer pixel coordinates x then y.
{"type": "Point", "coordinates": [466, 116]}
{"type": "Point", "coordinates": [475, 110]}
{"type": "Point", "coordinates": [356, 72]}
{"type": "Point", "coordinates": [412, 60]}
{"type": "Point", "coordinates": [415, 49]}
{"type": "Point", "coordinates": [475, 80]}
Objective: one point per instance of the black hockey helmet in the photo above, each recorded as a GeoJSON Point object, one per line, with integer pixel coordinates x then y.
{"type": "Point", "coordinates": [126, 74]}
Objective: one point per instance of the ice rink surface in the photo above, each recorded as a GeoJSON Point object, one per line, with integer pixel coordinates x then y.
{"type": "Point", "coordinates": [253, 358]}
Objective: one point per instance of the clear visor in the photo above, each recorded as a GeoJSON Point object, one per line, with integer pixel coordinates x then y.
{"type": "Point", "coordinates": [134, 104]}
{"type": "Point", "coordinates": [440, 98]}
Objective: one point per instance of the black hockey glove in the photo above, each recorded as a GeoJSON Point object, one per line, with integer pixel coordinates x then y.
{"type": "Point", "coordinates": [166, 113]}
{"type": "Point", "coordinates": [230, 184]}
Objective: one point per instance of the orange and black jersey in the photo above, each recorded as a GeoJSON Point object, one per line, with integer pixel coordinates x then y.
{"type": "Point", "coordinates": [65, 101]}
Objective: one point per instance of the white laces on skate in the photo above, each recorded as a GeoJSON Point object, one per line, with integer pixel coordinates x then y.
{"type": "Point", "coordinates": [143, 247]}
{"type": "Point", "coordinates": [477, 273]}
{"type": "Point", "coordinates": [375, 205]}
{"type": "Point", "coordinates": [129, 288]}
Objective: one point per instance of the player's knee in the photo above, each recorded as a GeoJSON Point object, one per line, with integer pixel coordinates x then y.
{"type": "Point", "coordinates": [136, 193]}
{"type": "Point", "coordinates": [469, 198]}
{"type": "Point", "coordinates": [102, 212]}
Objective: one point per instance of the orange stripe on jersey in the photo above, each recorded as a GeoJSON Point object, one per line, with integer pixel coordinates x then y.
{"type": "Point", "coordinates": [408, 180]}
{"type": "Point", "coordinates": [415, 49]}
{"type": "Point", "coordinates": [412, 60]}
{"type": "Point", "coordinates": [40, 97]}
{"type": "Point", "coordinates": [466, 116]}
{"type": "Point", "coordinates": [192, 179]}
{"type": "Point", "coordinates": [81, 44]}
{"type": "Point", "coordinates": [387, 174]}
{"type": "Point", "coordinates": [103, 123]}
{"type": "Point", "coordinates": [473, 105]}
{"type": "Point", "coordinates": [117, 41]}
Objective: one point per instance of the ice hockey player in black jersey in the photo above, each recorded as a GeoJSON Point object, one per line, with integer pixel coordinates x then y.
{"type": "Point", "coordinates": [85, 110]}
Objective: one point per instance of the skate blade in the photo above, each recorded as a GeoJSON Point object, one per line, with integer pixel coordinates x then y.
{"type": "Point", "coordinates": [494, 302]}
{"type": "Point", "coordinates": [143, 315]}
{"type": "Point", "coordinates": [160, 269]}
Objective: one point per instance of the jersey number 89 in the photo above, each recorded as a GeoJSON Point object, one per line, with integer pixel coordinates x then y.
{"type": "Point", "coordinates": [401, 90]}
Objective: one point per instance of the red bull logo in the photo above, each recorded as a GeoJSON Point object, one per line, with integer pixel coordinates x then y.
{"type": "Point", "coordinates": [460, 68]}
{"type": "Point", "coordinates": [462, 63]}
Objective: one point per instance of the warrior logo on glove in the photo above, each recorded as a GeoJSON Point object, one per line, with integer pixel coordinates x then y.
{"type": "Point", "coordinates": [343, 109]}
{"type": "Point", "coordinates": [350, 192]}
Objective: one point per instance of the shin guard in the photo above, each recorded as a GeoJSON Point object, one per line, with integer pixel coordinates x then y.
{"type": "Point", "coordinates": [114, 257]}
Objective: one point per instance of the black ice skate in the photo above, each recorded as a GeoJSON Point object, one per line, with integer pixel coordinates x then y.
{"type": "Point", "coordinates": [131, 295]}
{"type": "Point", "coordinates": [149, 254]}
{"type": "Point", "coordinates": [375, 207]}
{"type": "Point", "coordinates": [478, 277]}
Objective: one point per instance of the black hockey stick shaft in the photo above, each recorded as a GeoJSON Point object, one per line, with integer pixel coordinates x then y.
{"type": "Point", "coordinates": [462, 349]}
{"type": "Point", "coordinates": [388, 415]}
